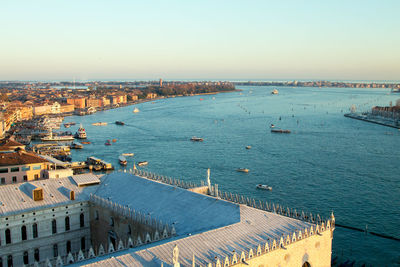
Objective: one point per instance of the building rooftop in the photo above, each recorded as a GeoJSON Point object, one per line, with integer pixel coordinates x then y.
{"type": "Point", "coordinates": [18, 198]}
{"type": "Point", "coordinates": [9, 144]}
{"type": "Point", "coordinates": [20, 158]}
{"type": "Point", "coordinates": [206, 227]}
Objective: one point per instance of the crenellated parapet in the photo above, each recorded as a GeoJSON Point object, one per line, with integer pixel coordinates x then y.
{"type": "Point", "coordinates": [164, 179]}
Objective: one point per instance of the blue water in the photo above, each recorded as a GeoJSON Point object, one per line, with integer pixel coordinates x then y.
{"type": "Point", "coordinates": [328, 163]}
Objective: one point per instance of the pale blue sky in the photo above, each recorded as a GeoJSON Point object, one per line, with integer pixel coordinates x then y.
{"type": "Point", "coordinates": [209, 39]}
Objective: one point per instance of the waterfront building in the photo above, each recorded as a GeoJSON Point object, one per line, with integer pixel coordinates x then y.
{"type": "Point", "coordinates": [151, 95]}
{"type": "Point", "coordinates": [44, 219]}
{"type": "Point", "coordinates": [78, 102]}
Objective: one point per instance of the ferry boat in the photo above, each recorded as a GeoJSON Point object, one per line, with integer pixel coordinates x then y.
{"type": "Point", "coordinates": [76, 145]}
{"type": "Point", "coordinates": [50, 137]}
{"type": "Point", "coordinates": [274, 92]}
{"type": "Point", "coordinates": [242, 170]}
{"type": "Point", "coordinates": [142, 163]}
{"type": "Point", "coordinates": [99, 123]}
{"type": "Point", "coordinates": [196, 139]}
{"type": "Point", "coordinates": [280, 131]}
{"type": "Point", "coordinates": [119, 123]}
{"type": "Point", "coordinates": [264, 187]}
{"type": "Point", "coordinates": [81, 133]}
{"type": "Point", "coordinates": [122, 160]}
{"type": "Point", "coordinates": [127, 154]}
{"type": "Point", "coordinates": [136, 110]}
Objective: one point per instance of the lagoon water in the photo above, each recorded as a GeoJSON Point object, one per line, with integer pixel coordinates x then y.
{"type": "Point", "coordinates": [328, 163]}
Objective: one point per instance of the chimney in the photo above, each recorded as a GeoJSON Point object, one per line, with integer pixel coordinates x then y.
{"type": "Point", "coordinates": [37, 194]}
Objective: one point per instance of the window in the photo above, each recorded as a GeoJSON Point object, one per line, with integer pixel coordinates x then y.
{"type": "Point", "coordinates": [36, 176]}
{"type": "Point", "coordinates": [14, 169]}
{"type": "Point", "coordinates": [3, 180]}
{"type": "Point", "coordinates": [14, 179]}
{"type": "Point", "coordinates": [9, 261]}
{"type": "Point", "coordinates": [55, 250]}
{"type": "Point", "coordinates": [54, 226]}
{"type": "Point", "coordinates": [8, 236]}
{"type": "Point", "coordinates": [67, 226]}
{"type": "Point", "coordinates": [83, 244]}
{"type": "Point", "coordinates": [34, 230]}
{"type": "Point", "coordinates": [26, 257]}
{"type": "Point", "coordinates": [37, 255]}
{"type": "Point", "coordinates": [25, 178]}
{"type": "Point", "coordinates": [111, 221]}
{"type": "Point", "coordinates": [68, 247]}
{"type": "Point", "coordinates": [4, 170]}
{"type": "Point", "coordinates": [37, 167]}
{"type": "Point", "coordinates": [23, 232]}
{"type": "Point", "coordinates": [25, 168]}
{"type": "Point", "coordinates": [129, 229]}
{"type": "Point", "coordinates": [82, 220]}
{"type": "Point", "coordinates": [96, 215]}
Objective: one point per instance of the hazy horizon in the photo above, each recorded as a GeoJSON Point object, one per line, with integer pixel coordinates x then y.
{"type": "Point", "coordinates": [224, 40]}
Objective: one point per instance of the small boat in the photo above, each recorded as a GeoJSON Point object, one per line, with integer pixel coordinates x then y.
{"type": "Point", "coordinates": [81, 133]}
{"type": "Point", "coordinates": [274, 92]}
{"type": "Point", "coordinates": [136, 110]}
{"type": "Point", "coordinates": [86, 143]}
{"type": "Point", "coordinates": [272, 126]}
{"type": "Point", "coordinates": [248, 147]}
{"type": "Point", "coordinates": [196, 139]}
{"type": "Point", "coordinates": [280, 131]}
{"type": "Point", "coordinates": [122, 160]}
{"type": "Point", "coordinates": [201, 99]}
{"type": "Point", "coordinates": [76, 145]}
{"type": "Point", "coordinates": [127, 154]}
{"type": "Point", "coordinates": [142, 163]}
{"type": "Point", "coordinates": [99, 123]}
{"type": "Point", "coordinates": [264, 187]}
{"type": "Point", "coordinates": [67, 125]}
{"type": "Point", "coordinates": [120, 123]}
{"type": "Point", "coordinates": [242, 170]}
{"type": "Point", "coordinates": [108, 143]}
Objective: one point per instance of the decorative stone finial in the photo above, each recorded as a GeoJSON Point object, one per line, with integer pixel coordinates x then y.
{"type": "Point", "coordinates": [175, 256]}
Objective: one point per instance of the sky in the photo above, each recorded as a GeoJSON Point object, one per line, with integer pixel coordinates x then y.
{"type": "Point", "coordinates": [208, 39]}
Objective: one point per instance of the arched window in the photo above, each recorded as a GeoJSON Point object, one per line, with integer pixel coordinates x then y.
{"type": "Point", "coordinates": [9, 261]}
{"type": "Point", "coordinates": [129, 229]}
{"type": "Point", "coordinates": [306, 264]}
{"type": "Point", "coordinates": [36, 255]}
{"type": "Point", "coordinates": [83, 244]}
{"type": "Point", "coordinates": [68, 247]}
{"type": "Point", "coordinates": [8, 236]}
{"type": "Point", "coordinates": [54, 226]}
{"type": "Point", "coordinates": [26, 257]}
{"type": "Point", "coordinates": [82, 220]}
{"type": "Point", "coordinates": [34, 230]}
{"type": "Point", "coordinates": [96, 215]}
{"type": "Point", "coordinates": [23, 232]}
{"type": "Point", "coordinates": [67, 226]}
{"type": "Point", "coordinates": [55, 250]}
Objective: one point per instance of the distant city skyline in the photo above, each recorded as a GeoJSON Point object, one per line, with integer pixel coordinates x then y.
{"type": "Point", "coordinates": [224, 40]}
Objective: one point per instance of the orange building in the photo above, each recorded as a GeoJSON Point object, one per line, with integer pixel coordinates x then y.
{"type": "Point", "coordinates": [79, 102]}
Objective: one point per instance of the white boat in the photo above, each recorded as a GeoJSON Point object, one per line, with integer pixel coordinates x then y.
{"type": "Point", "coordinates": [142, 163]}
{"type": "Point", "coordinates": [136, 110]}
{"type": "Point", "coordinates": [50, 137]}
{"type": "Point", "coordinates": [127, 154]}
{"type": "Point", "coordinates": [81, 133]}
{"type": "Point", "coordinates": [264, 187]}
{"type": "Point", "coordinates": [242, 170]}
{"type": "Point", "coordinates": [248, 147]}
{"type": "Point", "coordinates": [99, 123]}
{"type": "Point", "coordinates": [274, 92]}
{"type": "Point", "coordinates": [122, 160]}
{"type": "Point", "coordinates": [196, 139]}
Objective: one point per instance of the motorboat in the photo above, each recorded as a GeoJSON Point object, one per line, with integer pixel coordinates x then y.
{"type": "Point", "coordinates": [127, 154]}
{"type": "Point", "coordinates": [280, 131]}
{"type": "Point", "coordinates": [196, 139]}
{"type": "Point", "coordinates": [122, 160]}
{"type": "Point", "coordinates": [242, 170]}
{"type": "Point", "coordinates": [86, 143]}
{"type": "Point", "coordinates": [108, 143]}
{"type": "Point", "coordinates": [69, 124]}
{"type": "Point", "coordinates": [99, 123]}
{"type": "Point", "coordinates": [274, 92]}
{"type": "Point", "coordinates": [248, 147]}
{"type": "Point", "coordinates": [76, 145]}
{"type": "Point", "coordinates": [142, 163]}
{"type": "Point", "coordinates": [81, 133]}
{"type": "Point", "coordinates": [120, 123]}
{"type": "Point", "coordinates": [136, 110]}
{"type": "Point", "coordinates": [272, 125]}
{"type": "Point", "coordinates": [264, 187]}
